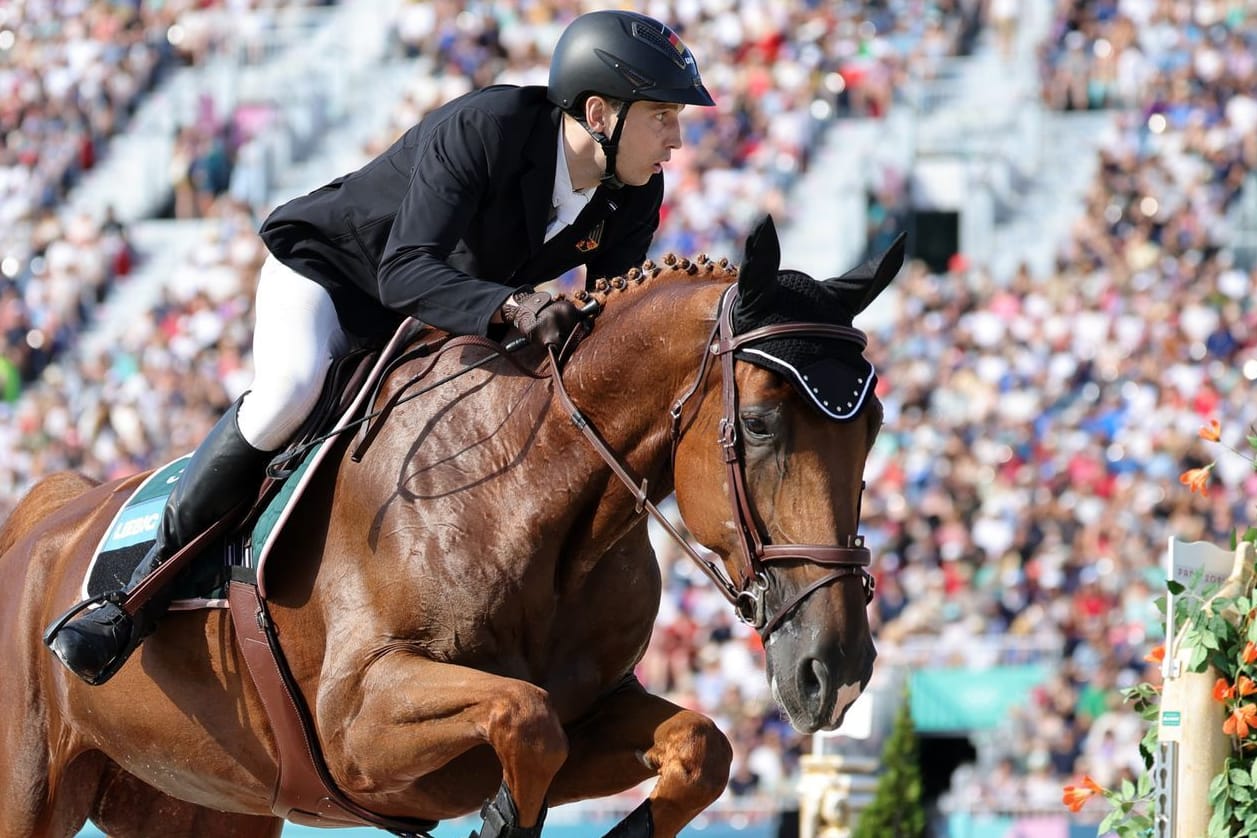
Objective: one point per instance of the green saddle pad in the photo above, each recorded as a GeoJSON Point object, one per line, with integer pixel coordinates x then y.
{"type": "Point", "coordinates": [134, 529]}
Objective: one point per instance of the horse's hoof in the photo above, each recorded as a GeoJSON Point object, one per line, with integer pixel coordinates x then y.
{"type": "Point", "coordinates": [94, 646]}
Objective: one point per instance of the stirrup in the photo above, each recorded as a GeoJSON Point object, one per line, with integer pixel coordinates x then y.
{"type": "Point", "coordinates": [116, 597]}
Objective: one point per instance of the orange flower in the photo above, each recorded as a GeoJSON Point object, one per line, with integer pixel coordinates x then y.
{"type": "Point", "coordinates": [1250, 651]}
{"type": "Point", "coordinates": [1075, 796]}
{"type": "Point", "coordinates": [1157, 655]}
{"type": "Point", "coordinates": [1245, 686]}
{"type": "Point", "coordinates": [1197, 479]}
{"type": "Point", "coordinates": [1212, 432]}
{"type": "Point", "coordinates": [1241, 719]}
{"type": "Point", "coordinates": [1222, 690]}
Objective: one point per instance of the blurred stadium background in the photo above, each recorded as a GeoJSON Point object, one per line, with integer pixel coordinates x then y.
{"type": "Point", "coordinates": [1076, 179]}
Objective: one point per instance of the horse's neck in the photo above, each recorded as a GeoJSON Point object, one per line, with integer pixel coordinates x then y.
{"type": "Point", "coordinates": [490, 464]}
{"type": "Point", "coordinates": [644, 353]}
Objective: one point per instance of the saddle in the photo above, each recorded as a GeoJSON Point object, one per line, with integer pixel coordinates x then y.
{"type": "Point", "coordinates": [304, 791]}
{"type": "Point", "coordinates": [245, 534]}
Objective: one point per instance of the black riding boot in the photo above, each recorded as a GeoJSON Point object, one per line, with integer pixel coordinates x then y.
{"type": "Point", "coordinates": [224, 469]}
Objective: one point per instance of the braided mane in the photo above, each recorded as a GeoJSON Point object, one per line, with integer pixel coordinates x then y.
{"type": "Point", "coordinates": [674, 268]}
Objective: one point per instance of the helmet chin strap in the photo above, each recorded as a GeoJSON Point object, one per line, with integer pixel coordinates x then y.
{"type": "Point", "coordinates": [610, 146]}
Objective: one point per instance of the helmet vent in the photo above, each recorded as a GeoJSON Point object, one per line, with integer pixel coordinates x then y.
{"type": "Point", "coordinates": [667, 42]}
{"type": "Point", "coordinates": [627, 71]}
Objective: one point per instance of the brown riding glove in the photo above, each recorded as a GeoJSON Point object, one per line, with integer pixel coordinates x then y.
{"type": "Point", "coordinates": [544, 320]}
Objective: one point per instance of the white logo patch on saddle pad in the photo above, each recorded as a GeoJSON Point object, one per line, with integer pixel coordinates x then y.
{"type": "Point", "coordinates": [203, 585]}
{"type": "Point", "coordinates": [132, 532]}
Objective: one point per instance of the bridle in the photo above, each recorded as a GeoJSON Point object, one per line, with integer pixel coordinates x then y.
{"type": "Point", "coordinates": [747, 592]}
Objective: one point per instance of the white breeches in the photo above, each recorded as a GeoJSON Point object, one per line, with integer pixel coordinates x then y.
{"type": "Point", "coordinates": [296, 337]}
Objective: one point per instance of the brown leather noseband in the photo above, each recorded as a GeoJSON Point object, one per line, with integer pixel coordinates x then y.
{"type": "Point", "coordinates": [747, 594]}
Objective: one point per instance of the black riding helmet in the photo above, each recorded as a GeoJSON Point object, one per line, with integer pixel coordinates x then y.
{"type": "Point", "coordinates": [624, 56]}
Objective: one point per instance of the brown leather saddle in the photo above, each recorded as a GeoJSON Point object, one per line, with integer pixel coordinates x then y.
{"type": "Point", "coordinates": [304, 792]}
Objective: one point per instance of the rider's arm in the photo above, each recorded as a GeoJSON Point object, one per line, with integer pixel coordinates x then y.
{"type": "Point", "coordinates": [448, 186]}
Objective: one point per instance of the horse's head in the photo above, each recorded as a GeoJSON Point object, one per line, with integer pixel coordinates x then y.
{"type": "Point", "coordinates": [794, 434]}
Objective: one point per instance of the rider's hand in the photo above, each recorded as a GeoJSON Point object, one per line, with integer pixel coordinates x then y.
{"type": "Point", "coordinates": [544, 320]}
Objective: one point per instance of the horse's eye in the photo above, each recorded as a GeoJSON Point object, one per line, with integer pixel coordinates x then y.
{"type": "Point", "coordinates": [757, 428]}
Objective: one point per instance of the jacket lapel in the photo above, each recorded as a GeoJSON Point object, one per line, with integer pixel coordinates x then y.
{"type": "Point", "coordinates": [537, 183]}
{"type": "Point", "coordinates": [575, 244]}
{"type": "Point", "coordinates": [585, 233]}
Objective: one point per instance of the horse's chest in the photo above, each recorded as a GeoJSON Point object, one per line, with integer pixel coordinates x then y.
{"type": "Point", "coordinates": [576, 650]}
{"type": "Point", "coordinates": [585, 665]}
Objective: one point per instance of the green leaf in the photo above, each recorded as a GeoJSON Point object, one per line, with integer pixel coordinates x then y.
{"type": "Point", "coordinates": [1220, 823]}
{"type": "Point", "coordinates": [1218, 787]}
{"type": "Point", "coordinates": [1148, 748]}
{"type": "Point", "coordinates": [1250, 823]}
{"type": "Point", "coordinates": [1160, 602]}
{"type": "Point", "coordinates": [1174, 587]}
{"type": "Point", "coordinates": [1220, 626]}
{"type": "Point", "coordinates": [1242, 794]}
{"type": "Point", "coordinates": [1110, 819]}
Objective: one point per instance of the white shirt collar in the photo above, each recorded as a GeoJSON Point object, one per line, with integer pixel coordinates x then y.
{"type": "Point", "coordinates": [566, 202]}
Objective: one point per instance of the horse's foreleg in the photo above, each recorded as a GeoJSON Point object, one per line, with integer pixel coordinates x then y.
{"type": "Point", "coordinates": [633, 735]}
{"type": "Point", "coordinates": [414, 716]}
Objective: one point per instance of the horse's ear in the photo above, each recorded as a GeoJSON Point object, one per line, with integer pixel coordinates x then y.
{"type": "Point", "coordinates": [862, 284]}
{"type": "Point", "coordinates": [757, 277]}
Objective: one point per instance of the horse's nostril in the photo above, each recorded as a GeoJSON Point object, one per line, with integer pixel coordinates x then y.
{"type": "Point", "coordinates": [813, 678]}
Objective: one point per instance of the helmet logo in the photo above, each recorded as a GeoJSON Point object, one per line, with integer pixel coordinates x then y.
{"type": "Point", "coordinates": [678, 45]}
{"type": "Point", "coordinates": [666, 41]}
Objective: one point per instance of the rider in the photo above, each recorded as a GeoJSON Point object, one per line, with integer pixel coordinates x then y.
{"type": "Point", "coordinates": [499, 190]}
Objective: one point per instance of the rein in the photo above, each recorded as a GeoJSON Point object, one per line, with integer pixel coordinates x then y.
{"type": "Point", "coordinates": [747, 593]}
{"type": "Point", "coordinates": [280, 466]}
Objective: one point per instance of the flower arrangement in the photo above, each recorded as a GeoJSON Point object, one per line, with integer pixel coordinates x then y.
{"type": "Point", "coordinates": [1223, 635]}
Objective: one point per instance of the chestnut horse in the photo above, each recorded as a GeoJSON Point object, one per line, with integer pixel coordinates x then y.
{"type": "Point", "coordinates": [463, 608]}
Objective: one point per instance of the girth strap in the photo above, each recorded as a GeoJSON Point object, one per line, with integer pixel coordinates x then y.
{"type": "Point", "coordinates": [305, 792]}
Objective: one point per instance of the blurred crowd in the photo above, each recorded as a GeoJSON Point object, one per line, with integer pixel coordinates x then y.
{"type": "Point", "coordinates": [1026, 479]}
{"type": "Point", "coordinates": [1037, 425]}
{"type": "Point", "coordinates": [72, 75]}
{"type": "Point", "coordinates": [780, 73]}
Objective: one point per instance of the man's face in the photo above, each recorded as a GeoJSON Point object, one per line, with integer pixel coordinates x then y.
{"type": "Point", "coordinates": [651, 131]}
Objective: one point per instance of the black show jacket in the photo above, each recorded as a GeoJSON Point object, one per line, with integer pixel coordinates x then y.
{"type": "Point", "coordinates": [448, 221]}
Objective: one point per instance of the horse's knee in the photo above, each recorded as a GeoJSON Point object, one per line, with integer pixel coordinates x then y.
{"type": "Point", "coordinates": [699, 758]}
{"type": "Point", "coordinates": [522, 719]}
